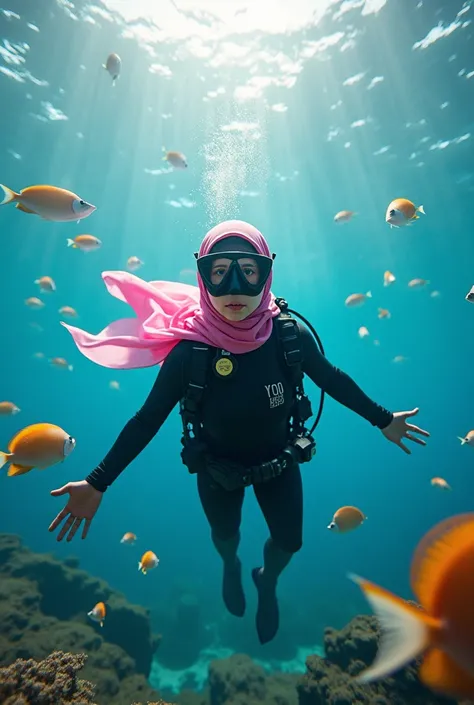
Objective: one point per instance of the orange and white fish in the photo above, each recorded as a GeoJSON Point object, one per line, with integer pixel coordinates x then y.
{"type": "Point", "coordinates": [97, 614]}
{"type": "Point", "coordinates": [46, 284]}
{"type": "Point", "coordinates": [8, 408]}
{"type": "Point", "coordinates": [148, 562]}
{"type": "Point", "coordinates": [468, 439]}
{"type": "Point", "coordinates": [357, 299]}
{"type": "Point", "coordinates": [134, 263]}
{"type": "Point", "coordinates": [363, 332]}
{"type": "Point", "coordinates": [402, 212]}
{"type": "Point", "coordinates": [34, 302]}
{"type": "Point", "coordinates": [68, 311]}
{"type": "Point", "coordinates": [440, 482]}
{"type": "Point", "coordinates": [344, 216]}
{"type": "Point", "coordinates": [113, 384]}
{"type": "Point", "coordinates": [442, 579]}
{"type": "Point", "coordinates": [49, 202]}
{"type": "Point", "coordinates": [38, 446]}
{"type": "Point", "coordinates": [176, 159]}
{"type": "Point", "coordinates": [388, 278]}
{"type": "Point", "coordinates": [86, 243]}
{"type": "Point", "coordinates": [383, 313]}
{"type": "Point", "coordinates": [61, 363]}
{"type": "Point", "coordinates": [347, 519]}
{"type": "Point", "coordinates": [417, 283]}
{"type": "Point", "coordinates": [129, 539]}
{"type": "Point", "coordinates": [113, 66]}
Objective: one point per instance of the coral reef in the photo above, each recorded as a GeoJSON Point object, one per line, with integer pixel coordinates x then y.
{"type": "Point", "coordinates": [53, 681]}
{"type": "Point", "coordinates": [43, 608]}
{"type": "Point", "coordinates": [329, 681]}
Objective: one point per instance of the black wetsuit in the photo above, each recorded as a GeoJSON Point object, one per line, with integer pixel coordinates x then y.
{"type": "Point", "coordinates": [245, 418]}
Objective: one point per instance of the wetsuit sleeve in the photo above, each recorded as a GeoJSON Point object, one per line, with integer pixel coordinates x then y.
{"type": "Point", "coordinates": [338, 384]}
{"type": "Point", "coordinates": [138, 432]}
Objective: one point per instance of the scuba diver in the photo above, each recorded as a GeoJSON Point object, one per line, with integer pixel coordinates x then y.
{"type": "Point", "coordinates": [234, 358]}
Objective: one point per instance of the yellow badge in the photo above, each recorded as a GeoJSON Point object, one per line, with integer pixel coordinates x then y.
{"type": "Point", "coordinates": [224, 367]}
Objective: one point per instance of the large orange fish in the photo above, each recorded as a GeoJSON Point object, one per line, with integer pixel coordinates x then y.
{"type": "Point", "coordinates": [38, 446]}
{"type": "Point", "coordinates": [49, 202]}
{"type": "Point", "coordinates": [442, 578]}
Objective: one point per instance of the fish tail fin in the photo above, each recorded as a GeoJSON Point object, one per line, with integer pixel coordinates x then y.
{"type": "Point", "coordinates": [4, 458]}
{"type": "Point", "coordinates": [369, 294]}
{"type": "Point", "coordinates": [140, 565]}
{"type": "Point", "coordinates": [8, 195]}
{"type": "Point", "coordinates": [71, 243]}
{"type": "Point", "coordinates": [463, 440]}
{"type": "Point", "coordinates": [421, 210]}
{"type": "Point", "coordinates": [406, 631]}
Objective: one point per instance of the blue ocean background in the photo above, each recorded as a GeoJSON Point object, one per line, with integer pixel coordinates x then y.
{"type": "Point", "coordinates": [283, 125]}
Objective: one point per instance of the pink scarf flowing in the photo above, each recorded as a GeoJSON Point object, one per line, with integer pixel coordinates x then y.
{"type": "Point", "coordinates": [167, 312]}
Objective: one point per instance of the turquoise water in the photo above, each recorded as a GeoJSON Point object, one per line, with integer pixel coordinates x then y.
{"type": "Point", "coordinates": [285, 119]}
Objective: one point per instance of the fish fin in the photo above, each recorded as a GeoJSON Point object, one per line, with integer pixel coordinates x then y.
{"type": "Point", "coordinates": [416, 217]}
{"type": "Point", "coordinates": [18, 469]}
{"type": "Point", "coordinates": [4, 458]}
{"type": "Point", "coordinates": [101, 623]}
{"type": "Point", "coordinates": [8, 195]}
{"type": "Point", "coordinates": [24, 209]}
{"type": "Point", "coordinates": [139, 565]}
{"type": "Point", "coordinates": [463, 440]}
{"type": "Point", "coordinates": [71, 243]}
{"type": "Point", "coordinates": [435, 551]}
{"type": "Point", "coordinates": [406, 631]}
{"type": "Point", "coordinates": [421, 210]}
{"type": "Point", "coordinates": [441, 673]}
{"type": "Point", "coordinates": [369, 294]}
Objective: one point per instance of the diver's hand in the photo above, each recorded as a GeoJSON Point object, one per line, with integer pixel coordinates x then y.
{"type": "Point", "coordinates": [398, 428]}
{"type": "Point", "coordinates": [83, 503]}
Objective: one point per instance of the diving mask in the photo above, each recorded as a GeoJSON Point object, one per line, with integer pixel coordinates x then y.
{"type": "Point", "coordinates": [239, 277]}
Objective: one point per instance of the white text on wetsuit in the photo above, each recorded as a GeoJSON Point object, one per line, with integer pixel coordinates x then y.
{"type": "Point", "coordinates": [275, 394]}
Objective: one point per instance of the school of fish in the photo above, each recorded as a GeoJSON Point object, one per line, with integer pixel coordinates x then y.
{"type": "Point", "coordinates": [442, 573]}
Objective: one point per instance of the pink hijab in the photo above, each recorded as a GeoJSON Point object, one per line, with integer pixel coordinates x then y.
{"type": "Point", "coordinates": [167, 312]}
